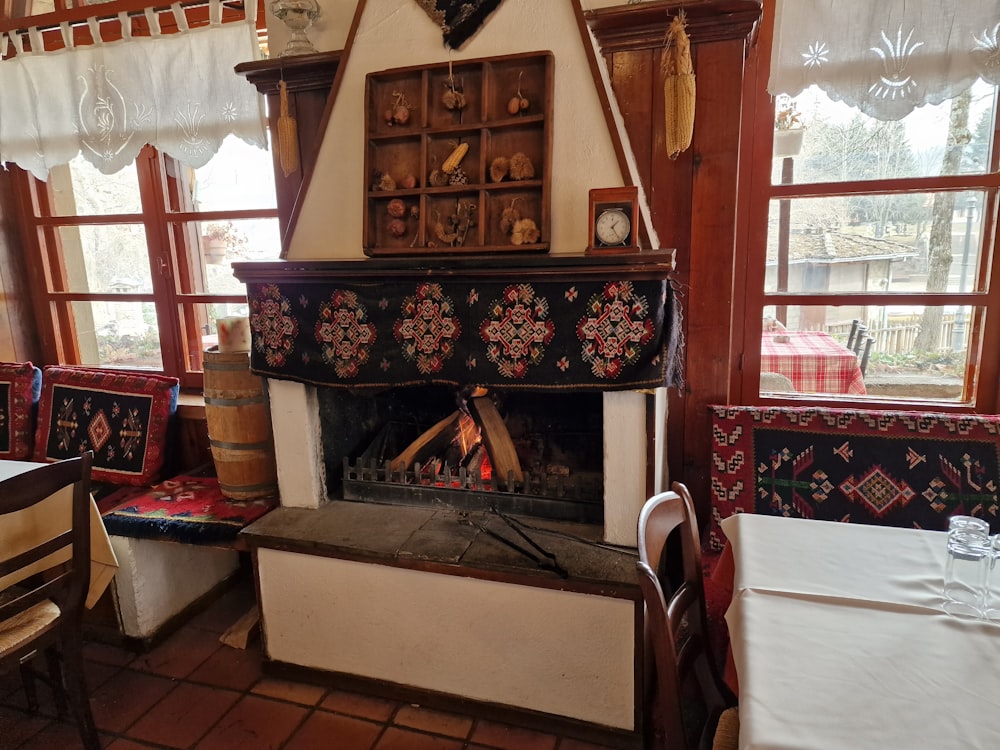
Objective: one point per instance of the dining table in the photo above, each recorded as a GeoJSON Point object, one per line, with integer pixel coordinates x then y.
{"type": "Point", "coordinates": [814, 361]}
{"type": "Point", "coordinates": [20, 530]}
{"type": "Point", "coordinates": [840, 640]}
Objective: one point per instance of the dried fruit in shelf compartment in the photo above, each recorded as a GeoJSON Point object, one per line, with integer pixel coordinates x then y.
{"type": "Point", "coordinates": [400, 108]}
{"type": "Point", "coordinates": [408, 182]}
{"type": "Point", "coordinates": [519, 102]}
{"type": "Point", "coordinates": [521, 167]}
{"type": "Point", "coordinates": [397, 227]}
{"type": "Point", "coordinates": [509, 217]}
{"type": "Point", "coordinates": [458, 177]}
{"type": "Point", "coordinates": [525, 232]}
{"type": "Point", "coordinates": [499, 168]}
{"type": "Point", "coordinates": [396, 208]}
{"type": "Point", "coordinates": [438, 178]}
{"type": "Point", "coordinates": [383, 182]}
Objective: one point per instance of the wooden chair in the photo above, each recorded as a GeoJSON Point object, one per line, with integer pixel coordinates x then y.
{"type": "Point", "coordinates": [854, 337]}
{"type": "Point", "coordinates": [691, 705]}
{"type": "Point", "coordinates": [865, 354]}
{"type": "Point", "coordinates": [43, 614]}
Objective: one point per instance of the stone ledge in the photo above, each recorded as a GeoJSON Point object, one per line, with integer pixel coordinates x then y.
{"type": "Point", "coordinates": [450, 542]}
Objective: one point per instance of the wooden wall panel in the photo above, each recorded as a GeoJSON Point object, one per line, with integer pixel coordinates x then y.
{"type": "Point", "coordinates": [18, 340]}
{"type": "Point", "coordinates": [693, 199]}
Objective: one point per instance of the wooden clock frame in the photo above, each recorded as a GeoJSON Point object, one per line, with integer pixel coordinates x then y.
{"type": "Point", "coordinates": [625, 198]}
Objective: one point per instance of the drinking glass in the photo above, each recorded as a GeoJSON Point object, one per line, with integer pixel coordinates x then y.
{"type": "Point", "coordinates": [969, 560]}
{"type": "Point", "coordinates": [991, 605]}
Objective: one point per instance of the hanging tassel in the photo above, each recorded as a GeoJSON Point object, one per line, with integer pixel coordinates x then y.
{"type": "Point", "coordinates": [678, 88]}
{"type": "Point", "coordinates": [288, 134]}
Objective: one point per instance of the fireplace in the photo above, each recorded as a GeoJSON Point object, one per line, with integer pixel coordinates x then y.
{"type": "Point", "coordinates": [556, 357]}
{"type": "Point", "coordinates": [515, 589]}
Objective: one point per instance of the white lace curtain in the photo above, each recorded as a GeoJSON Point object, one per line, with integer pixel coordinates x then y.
{"type": "Point", "coordinates": [105, 101]}
{"type": "Point", "coordinates": [886, 57]}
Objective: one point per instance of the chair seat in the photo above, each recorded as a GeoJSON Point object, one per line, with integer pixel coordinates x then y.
{"type": "Point", "coordinates": [27, 625]}
{"type": "Point", "coordinates": [727, 731]}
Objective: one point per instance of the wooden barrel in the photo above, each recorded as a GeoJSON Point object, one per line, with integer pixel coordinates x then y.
{"type": "Point", "coordinates": [239, 426]}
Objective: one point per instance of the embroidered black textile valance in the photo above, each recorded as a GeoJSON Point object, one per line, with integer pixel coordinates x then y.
{"type": "Point", "coordinates": [582, 333]}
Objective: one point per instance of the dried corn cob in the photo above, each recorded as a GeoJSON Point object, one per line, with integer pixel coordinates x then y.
{"type": "Point", "coordinates": [288, 134]}
{"type": "Point", "coordinates": [678, 88]}
{"type": "Point", "coordinates": [452, 162]}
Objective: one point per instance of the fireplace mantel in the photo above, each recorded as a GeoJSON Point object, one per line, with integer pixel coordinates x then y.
{"type": "Point", "coordinates": [652, 264]}
{"type": "Point", "coordinates": [552, 322]}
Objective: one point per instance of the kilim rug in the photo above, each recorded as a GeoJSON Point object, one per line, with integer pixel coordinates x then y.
{"type": "Point", "coordinates": [892, 468]}
{"type": "Point", "coordinates": [183, 509]}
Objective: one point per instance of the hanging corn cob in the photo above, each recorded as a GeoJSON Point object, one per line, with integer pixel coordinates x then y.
{"type": "Point", "coordinates": [678, 87]}
{"type": "Point", "coordinates": [288, 134]}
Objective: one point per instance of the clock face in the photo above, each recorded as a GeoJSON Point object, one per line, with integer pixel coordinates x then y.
{"type": "Point", "coordinates": [612, 227]}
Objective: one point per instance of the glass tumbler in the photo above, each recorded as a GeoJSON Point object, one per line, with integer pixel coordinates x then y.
{"type": "Point", "coordinates": [968, 564]}
{"type": "Point", "coordinates": [991, 605]}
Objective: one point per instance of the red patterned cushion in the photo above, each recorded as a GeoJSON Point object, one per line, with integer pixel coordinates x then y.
{"type": "Point", "coordinates": [19, 384]}
{"type": "Point", "coordinates": [123, 418]}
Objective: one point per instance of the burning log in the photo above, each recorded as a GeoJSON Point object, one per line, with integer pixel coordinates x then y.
{"type": "Point", "coordinates": [430, 443]}
{"type": "Point", "coordinates": [496, 438]}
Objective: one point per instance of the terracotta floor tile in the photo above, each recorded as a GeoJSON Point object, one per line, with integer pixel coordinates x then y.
{"type": "Point", "coordinates": [179, 655]}
{"type": "Point", "coordinates": [358, 704]}
{"type": "Point", "coordinates": [17, 726]}
{"type": "Point", "coordinates": [234, 668]}
{"type": "Point", "coordinates": [329, 730]}
{"type": "Point", "coordinates": [184, 715]}
{"type": "Point", "coordinates": [228, 608]}
{"type": "Point", "coordinates": [403, 739]}
{"type": "Point", "coordinates": [119, 702]}
{"type": "Point", "coordinates": [56, 734]}
{"type": "Point", "coordinates": [512, 738]}
{"type": "Point", "coordinates": [293, 692]}
{"type": "Point", "coordinates": [106, 654]}
{"type": "Point", "coordinates": [254, 724]}
{"type": "Point", "coordinates": [97, 674]}
{"type": "Point", "coordinates": [435, 722]}
{"type": "Point", "coordinates": [123, 744]}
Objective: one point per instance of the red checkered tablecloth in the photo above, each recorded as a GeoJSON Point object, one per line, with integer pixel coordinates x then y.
{"type": "Point", "coordinates": [814, 361]}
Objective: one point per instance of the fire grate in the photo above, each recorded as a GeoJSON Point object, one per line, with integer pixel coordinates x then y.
{"type": "Point", "coordinates": [578, 499]}
{"type": "Point", "coordinates": [460, 474]}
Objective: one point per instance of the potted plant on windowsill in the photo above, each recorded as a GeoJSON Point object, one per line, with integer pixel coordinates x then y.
{"type": "Point", "coordinates": [788, 129]}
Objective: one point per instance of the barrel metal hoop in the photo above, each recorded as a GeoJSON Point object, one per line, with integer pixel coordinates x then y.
{"type": "Point", "coordinates": [211, 401]}
{"type": "Point", "coordinates": [247, 487]}
{"type": "Point", "coordinates": [261, 446]}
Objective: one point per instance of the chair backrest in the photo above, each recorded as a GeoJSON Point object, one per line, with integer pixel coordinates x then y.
{"type": "Point", "coordinates": [65, 583]}
{"type": "Point", "coordinates": [687, 685]}
{"type": "Point", "coordinates": [866, 353]}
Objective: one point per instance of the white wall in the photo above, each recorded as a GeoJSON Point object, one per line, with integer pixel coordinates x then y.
{"type": "Point", "coordinates": [398, 33]}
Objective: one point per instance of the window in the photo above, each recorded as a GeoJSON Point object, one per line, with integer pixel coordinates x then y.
{"type": "Point", "coordinates": [870, 273]}
{"type": "Point", "coordinates": [132, 269]}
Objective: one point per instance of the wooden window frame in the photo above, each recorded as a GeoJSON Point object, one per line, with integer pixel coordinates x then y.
{"type": "Point", "coordinates": [168, 246]}
{"type": "Point", "coordinates": [751, 300]}
{"type": "Point", "coordinates": [168, 243]}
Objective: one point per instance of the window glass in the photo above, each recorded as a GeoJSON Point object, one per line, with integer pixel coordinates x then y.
{"type": "Point", "coordinates": [117, 334]}
{"type": "Point", "coordinates": [915, 352]}
{"type": "Point", "coordinates": [80, 189]}
{"type": "Point", "coordinates": [833, 142]}
{"type": "Point", "coordinates": [875, 243]}
{"type": "Point", "coordinates": [239, 176]}
{"type": "Point", "coordinates": [201, 318]}
{"type": "Point", "coordinates": [220, 243]}
{"type": "Point", "coordinates": [106, 258]}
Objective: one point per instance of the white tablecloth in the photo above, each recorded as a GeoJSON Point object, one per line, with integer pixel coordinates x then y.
{"type": "Point", "coordinates": [840, 641]}
{"type": "Point", "coordinates": [18, 531]}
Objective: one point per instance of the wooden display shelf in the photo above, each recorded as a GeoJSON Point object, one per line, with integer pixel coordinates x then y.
{"type": "Point", "coordinates": [409, 152]}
